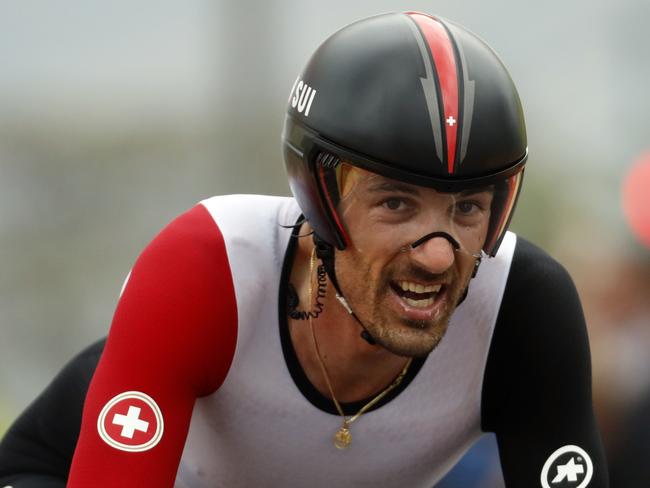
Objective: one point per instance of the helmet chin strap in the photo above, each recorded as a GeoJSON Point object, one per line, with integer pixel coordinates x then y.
{"type": "Point", "coordinates": [326, 253]}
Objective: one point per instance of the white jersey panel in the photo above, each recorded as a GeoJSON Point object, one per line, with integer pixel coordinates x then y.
{"type": "Point", "coordinates": [259, 430]}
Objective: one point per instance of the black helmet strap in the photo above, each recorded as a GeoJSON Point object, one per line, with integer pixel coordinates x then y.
{"type": "Point", "coordinates": [326, 253]}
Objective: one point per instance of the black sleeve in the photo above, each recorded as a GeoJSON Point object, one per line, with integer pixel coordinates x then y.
{"type": "Point", "coordinates": [537, 386]}
{"type": "Point", "coordinates": [37, 450]}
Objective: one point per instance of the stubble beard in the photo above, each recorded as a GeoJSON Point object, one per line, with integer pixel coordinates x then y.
{"type": "Point", "coordinates": [399, 335]}
{"type": "Point", "coordinates": [409, 338]}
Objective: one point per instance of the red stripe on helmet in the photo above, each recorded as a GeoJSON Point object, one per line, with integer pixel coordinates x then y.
{"type": "Point", "coordinates": [444, 62]}
{"type": "Point", "coordinates": [332, 207]}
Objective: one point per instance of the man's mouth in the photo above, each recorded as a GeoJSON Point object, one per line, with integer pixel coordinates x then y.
{"type": "Point", "coordinates": [416, 294]}
{"type": "Point", "coordinates": [417, 300]}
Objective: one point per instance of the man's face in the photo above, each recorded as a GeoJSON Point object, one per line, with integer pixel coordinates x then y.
{"type": "Point", "coordinates": [405, 296]}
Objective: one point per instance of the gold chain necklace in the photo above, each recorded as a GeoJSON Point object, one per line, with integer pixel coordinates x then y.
{"type": "Point", "coordinates": [343, 437]}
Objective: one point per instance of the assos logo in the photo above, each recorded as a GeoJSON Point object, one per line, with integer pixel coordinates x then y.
{"type": "Point", "coordinates": [301, 96]}
{"type": "Point", "coordinates": [567, 466]}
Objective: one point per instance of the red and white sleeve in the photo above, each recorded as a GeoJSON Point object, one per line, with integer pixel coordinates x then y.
{"type": "Point", "coordinates": [172, 340]}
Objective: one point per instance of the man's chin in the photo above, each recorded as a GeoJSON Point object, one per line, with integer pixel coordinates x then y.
{"type": "Point", "coordinates": [411, 339]}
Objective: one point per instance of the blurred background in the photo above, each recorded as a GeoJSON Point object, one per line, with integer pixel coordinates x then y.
{"type": "Point", "coordinates": [117, 116]}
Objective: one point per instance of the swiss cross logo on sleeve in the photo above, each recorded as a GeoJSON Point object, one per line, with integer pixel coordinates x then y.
{"type": "Point", "coordinates": [131, 421]}
{"type": "Point", "coordinates": [568, 466]}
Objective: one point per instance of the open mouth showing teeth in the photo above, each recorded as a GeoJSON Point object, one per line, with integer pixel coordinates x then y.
{"type": "Point", "coordinates": [415, 294]}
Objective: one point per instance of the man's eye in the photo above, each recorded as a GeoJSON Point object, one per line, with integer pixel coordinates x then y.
{"type": "Point", "coordinates": [394, 204]}
{"type": "Point", "coordinates": [467, 207]}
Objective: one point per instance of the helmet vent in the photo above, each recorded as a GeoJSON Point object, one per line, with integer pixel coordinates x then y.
{"type": "Point", "coordinates": [327, 160]}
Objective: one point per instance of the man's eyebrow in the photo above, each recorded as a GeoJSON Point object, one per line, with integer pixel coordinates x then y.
{"type": "Point", "coordinates": [392, 186]}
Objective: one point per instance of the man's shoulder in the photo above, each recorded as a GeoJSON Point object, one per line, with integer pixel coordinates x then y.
{"type": "Point", "coordinates": [224, 230]}
{"type": "Point", "coordinates": [533, 265]}
{"type": "Point", "coordinates": [260, 206]}
{"type": "Point", "coordinates": [253, 231]}
{"type": "Point", "coordinates": [228, 218]}
{"type": "Point", "coordinates": [539, 291]}
{"type": "Point", "coordinates": [253, 221]}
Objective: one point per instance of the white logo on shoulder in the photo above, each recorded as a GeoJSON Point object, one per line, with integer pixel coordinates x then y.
{"type": "Point", "coordinates": [131, 421]}
{"type": "Point", "coordinates": [301, 96]}
{"type": "Point", "coordinates": [568, 465]}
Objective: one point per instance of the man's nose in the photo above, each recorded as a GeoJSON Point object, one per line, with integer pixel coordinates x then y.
{"type": "Point", "coordinates": [436, 255]}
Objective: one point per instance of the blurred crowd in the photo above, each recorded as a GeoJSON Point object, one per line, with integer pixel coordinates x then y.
{"type": "Point", "coordinates": [616, 297]}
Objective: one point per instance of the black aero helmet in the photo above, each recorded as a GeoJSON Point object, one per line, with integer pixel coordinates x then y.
{"type": "Point", "coordinates": [411, 97]}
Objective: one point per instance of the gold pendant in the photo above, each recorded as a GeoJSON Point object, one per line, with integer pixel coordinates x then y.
{"type": "Point", "coordinates": [343, 438]}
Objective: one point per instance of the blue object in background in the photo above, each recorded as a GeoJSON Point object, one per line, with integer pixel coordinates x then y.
{"type": "Point", "coordinates": [480, 467]}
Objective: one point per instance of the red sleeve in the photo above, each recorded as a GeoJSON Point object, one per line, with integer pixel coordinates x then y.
{"type": "Point", "coordinates": [172, 340]}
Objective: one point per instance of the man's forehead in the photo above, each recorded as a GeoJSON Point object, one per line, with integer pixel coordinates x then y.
{"type": "Point", "coordinates": [376, 183]}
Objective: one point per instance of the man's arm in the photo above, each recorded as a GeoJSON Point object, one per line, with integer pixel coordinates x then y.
{"type": "Point", "coordinates": [172, 340]}
{"type": "Point", "coordinates": [537, 387]}
{"type": "Point", "coordinates": [36, 451]}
